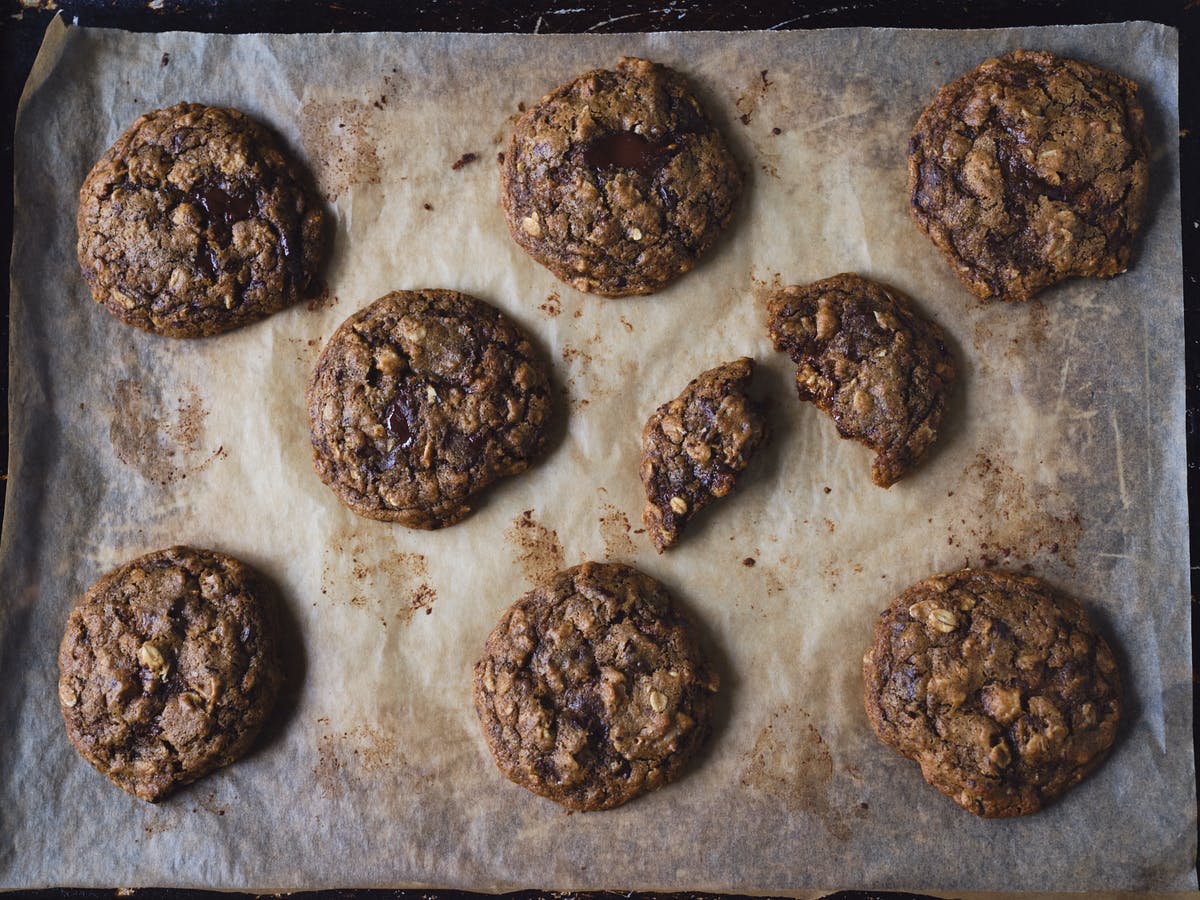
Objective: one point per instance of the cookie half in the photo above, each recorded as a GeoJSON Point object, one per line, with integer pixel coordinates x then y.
{"type": "Point", "coordinates": [196, 222]}
{"type": "Point", "coordinates": [865, 356]}
{"type": "Point", "coordinates": [997, 685]}
{"type": "Point", "coordinates": [168, 668]}
{"type": "Point", "coordinates": [695, 447]}
{"type": "Point", "coordinates": [421, 400]}
{"type": "Point", "coordinates": [1029, 169]}
{"type": "Point", "coordinates": [592, 689]}
{"type": "Point", "coordinates": [618, 182]}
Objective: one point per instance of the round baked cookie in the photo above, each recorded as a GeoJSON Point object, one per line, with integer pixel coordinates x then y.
{"type": "Point", "coordinates": [592, 688]}
{"type": "Point", "coordinates": [168, 668]}
{"type": "Point", "coordinates": [422, 399]}
{"type": "Point", "coordinates": [195, 222]}
{"type": "Point", "coordinates": [618, 182]}
{"type": "Point", "coordinates": [997, 685]}
{"type": "Point", "coordinates": [1029, 169]}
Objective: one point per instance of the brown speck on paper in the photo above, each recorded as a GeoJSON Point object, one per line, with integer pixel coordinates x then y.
{"type": "Point", "coordinates": [465, 160]}
{"type": "Point", "coordinates": [539, 551]}
{"type": "Point", "coordinates": [615, 531]}
{"type": "Point", "coordinates": [553, 305]}
{"type": "Point", "coordinates": [324, 300]}
{"type": "Point", "coordinates": [339, 143]}
{"type": "Point", "coordinates": [394, 584]}
{"type": "Point", "coordinates": [352, 761]}
{"type": "Point", "coordinates": [791, 763]}
{"type": "Point", "coordinates": [748, 101]}
{"type": "Point", "coordinates": [161, 440]}
{"type": "Point", "coordinates": [1012, 521]}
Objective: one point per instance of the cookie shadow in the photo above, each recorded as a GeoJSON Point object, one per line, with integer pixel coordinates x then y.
{"type": "Point", "coordinates": [725, 699]}
{"type": "Point", "coordinates": [956, 422]}
{"type": "Point", "coordinates": [1131, 703]}
{"type": "Point", "coordinates": [556, 427]}
{"type": "Point", "coordinates": [317, 290]}
{"type": "Point", "coordinates": [743, 155]}
{"type": "Point", "coordinates": [770, 387]}
{"type": "Point", "coordinates": [293, 659]}
{"type": "Point", "coordinates": [1163, 178]}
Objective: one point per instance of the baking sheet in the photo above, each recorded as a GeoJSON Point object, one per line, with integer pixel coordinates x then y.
{"type": "Point", "coordinates": [1063, 452]}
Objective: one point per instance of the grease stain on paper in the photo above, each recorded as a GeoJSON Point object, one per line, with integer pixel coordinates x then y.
{"type": "Point", "coordinates": [394, 585]}
{"type": "Point", "coordinates": [790, 761]}
{"type": "Point", "coordinates": [353, 760]}
{"type": "Point", "coordinates": [615, 531]}
{"type": "Point", "coordinates": [1011, 521]}
{"type": "Point", "coordinates": [339, 141]}
{"type": "Point", "coordinates": [539, 552]}
{"type": "Point", "coordinates": [161, 440]}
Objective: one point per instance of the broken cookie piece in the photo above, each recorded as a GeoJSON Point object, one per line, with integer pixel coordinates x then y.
{"type": "Point", "coordinates": [694, 448]}
{"type": "Point", "coordinates": [867, 358]}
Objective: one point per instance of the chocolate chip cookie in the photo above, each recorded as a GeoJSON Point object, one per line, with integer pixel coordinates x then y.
{"type": "Point", "coordinates": [168, 668]}
{"type": "Point", "coordinates": [195, 222]}
{"type": "Point", "coordinates": [421, 400]}
{"type": "Point", "coordinates": [618, 182]}
{"type": "Point", "coordinates": [695, 447]}
{"type": "Point", "coordinates": [592, 688]}
{"type": "Point", "coordinates": [869, 359]}
{"type": "Point", "coordinates": [997, 685]}
{"type": "Point", "coordinates": [1029, 169]}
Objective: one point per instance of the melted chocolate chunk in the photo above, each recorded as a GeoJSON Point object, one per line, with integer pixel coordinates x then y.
{"type": "Point", "coordinates": [223, 206]}
{"type": "Point", "coordinates": [399, 418]}
{"type": "Point", "coordinates": [628, 150]}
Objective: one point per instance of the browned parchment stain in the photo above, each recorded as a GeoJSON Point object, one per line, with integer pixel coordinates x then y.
{"type": "Point", "coordinates": [209, 802]}
{"type": "Point", "coordinates": [307, 350]}
{"type": "Point", "coordinates": [553, 305]}
{"type": "Point", "coordinates": [583, 383]}
{"type": "Point", "coordinates": [751, 96]}
{"type": "Point", "coordinates": [350, 761]}
{"type": "Point", "coordinates": [762, 290]}
{"type": "Point", "coordinates": [1011, 521]}
{"type": "Point", "coordinates": [162, 440]}
{"type": "Point", "coordinates": [774, 584]}
{"type": "Point", "coordinates": [615, 531]}
{"type": "Point", "coordinates": [539, 551]}
{"type": "Point", "coordinates": [339, 142]}
{"type": "Point", "coordinates": [791, 761]}
{"type": "Point", "coordinates": [395, 586]}
{"type": "Point", "coordinates": [326, 299]}
{"type": "Point", "coordinates": [506, 129]}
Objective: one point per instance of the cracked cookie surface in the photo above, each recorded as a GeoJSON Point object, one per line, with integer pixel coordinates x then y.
{"type": "Point", "coordinates": [618, 182]}
{"type": "Point", "coordinates": [868, 359]}
{"type": "Point", "coordinates": [592, 688]}
{"type": "Point", "coordinates": [997, 685]}
{"type": "Point", "coordinates": [168, 668]}
{"type": "Point", "coordinates": [1029, 169]}
{"type": "Point", "coordinates": [695, 447]}
{"type": "Point", "coordinates": [194, 223]}
{"type": "Point", "coordinates": [421, 400]}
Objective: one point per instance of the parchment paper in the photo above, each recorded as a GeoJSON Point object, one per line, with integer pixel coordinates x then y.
{"type": "Point", "coordinates": [1063, 452]}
